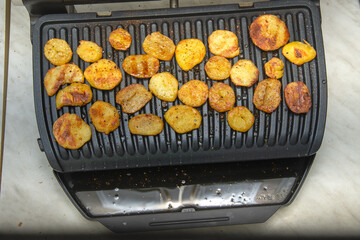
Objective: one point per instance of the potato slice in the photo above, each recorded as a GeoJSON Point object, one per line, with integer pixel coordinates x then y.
{"type": "Point", "coordinates": [189, 53]}
{"type": "Point", "coordinates": [224, 43]}
{"type": "Point", "coordinates": [268, 32]}
{"type": "Point", "coordinates": [104, 117]}
{"type": "Point", "coordinates": [57, 51]}
{"type": "Point", "coordinates": [267, 95]}
{"type": "Point", "coordinates": [221, 97]}
{"type": "Point", "coordinates": [141, 66]}
{"type": "Point", "coordinates": [164, 86]}
{"type": "Point", "coordinates": [133, 97]}
{"type": "Point", "coordinates": [183, 118]}
{"type": "Point", "coordinates": [244, 73]}
{"type": "Point", "coordinates": [89, 51]}
{"type": "Point", "coordinates": [57, 76]}
{"type": "Point", "coordinates": [120, 39]}
{"type": "Point", "coordinates": [146, 124]}
{"type": "Point", "coordinates": [240, 119]}
{"type": "Point", "coordinates": [103, 74]}
{"type": "Point", "coordinates": [298, 52]}
{"type": "Point", "coordinates": [218, 68]}
{"type": "Point", "coordinates": [71, 132]}
{"type": "Point", "coordinates": [194, 93]}
{"type": "Point", "coordinates": [274, 68]}
{"type": "Point", "coordinates": [77, 94]}
{"type": "Point", "coordinates": [297, 97]}
{"type": "Point", "coordinates": [159, 46]}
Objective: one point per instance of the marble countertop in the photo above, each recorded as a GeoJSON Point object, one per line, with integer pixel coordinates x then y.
{"type": "Point", "coordinates": [32, 202]}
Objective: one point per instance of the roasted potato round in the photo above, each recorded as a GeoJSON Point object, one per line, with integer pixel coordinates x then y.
{"type": "Point", "coordinates": [89, 51]}
{"type": "Point", "coordinates": [218, 68]}
{"type": "Point", "coordinates": [189, 53]}
{"type": "Point", "coordinates": [183, 118]}
{"type": "Point", "coordinates": [240, 119]}
{"type": "Point", "coordinates": [57, 51]}
{"type": "Point", "coordinates": [164, 86]}
{"type": "Point", "coordinates": [194, 93]}
{"type": "Point", "coordinates": [224, 43]}
{"type": "Point", "coordinates": [244, 73]}
{"type": "Point", "coordinates": [146, 124]}
{"type": "Point", "coordinates": [274, 68]}
{"type": "Point", "coordinates": [71, 132]}
{"type": "Point", "coordinates": [120, 39]}
{"type": "Point", "coordinates": [268, 32]}
{"type": "Point", "coordinates": [141, 66]}
{"type": "Point", "coordinates": [77, 94]}
{"type": "Point", "coordinates": [267, 95]}
{"type": "Point", "coordinates": [103, 74]}
{"type": "Point", "coordinates": [159, 46]}
{"type": "Point", "coordinates": [298, 52]}
{"type": "Point", "coordinates": [297, 97]}
{"type": "Point", "coordinates": [221, 97]}
{"type": "Point", "coordinates": [104, 117]}
{"type": "Point", "coordinates": [133, 97]}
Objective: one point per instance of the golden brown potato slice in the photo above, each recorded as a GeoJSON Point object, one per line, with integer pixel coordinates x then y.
{"type": "Point", "coordinates": [57, 76]}
{"type": "Point", "coordinates": [159, 46]}
{"type": "Point", "coordinates": [71, 132]}
{"type": "Point", "coordinates": [141, 66]}
{"type": "Point", "coordinates": [218, 68]}
{"type": "Point", "coordinates": [269, 32]}
{"type": "Point", "coordinates": [104, 117]}
{"type": "Point", "coordinates": [103, 74]}
{"type": "Point", "coordinates": [77, 94]}
{"type": "Point", "coordinates": [89, 51]}
{"type": "Point", "coordinates": [274, 68]}
{"type": "Point", "coordinates": [267, 95]}
{"type": "Point", "coordinates": [57, 51]}
{"type": "Point", "coordinates": [298, 52]}
{"type": "Point", "coordinates": [164, 86]}
{"type": "Point", "coordinates": [224, 43]}
{"type": "Point", "coordinates": [240, 119]}
{"type": "Point", "coordinates": [244, 73]}
{"type": "Point", "coordinates": [297, 97]}
{"type": "Point", "coordinates": [221, 97]}
{"type": "Point", "coordinates": [194, 93]}
{"type": "Point", "coordinates": [120, 39]}
{"type": "Point", "coordinates": [133, 97]}
{"type": "Point", "coordinates": [146, 124]}
{"type": "Point", "coordinates": [189, 53]}
{"type": "Point", "coordinates": [183, 118]}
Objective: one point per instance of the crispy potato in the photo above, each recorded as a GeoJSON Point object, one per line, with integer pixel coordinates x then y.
{"type": "Point", "coordinates": [194, 93]}
{"type": "Point", "coordinates": [189, 53]}
{"type": "Point", "coordinates": [274, 68]}
{"type": "Point", "coordinates": [57, 76]}
{"type": "Point", "coordinates": [71, 132]}
{"type": "Point", "coordinates": [146, 124]}
{"type": "Point", "coordinates": [133, 97]}
{"type": "Point", "coordinates": [159, 46]}
{"type": "Point", "coordinates": [77, 94]}
{"type": "Point", "coordinates": [218, 68]}
{"type": "Point", "coordinates": [297, 97]}
{"type": "Point", "coordinates": [244, 73]}
{"type": "Point", "coordinates": [268, 32]}
{"type": "Point", "coordinates": [183, 118]}
{"type": "Point", "coordinates": [267, 95]}
{"type": "Point", "coordinates": [103, 74]}
{"type": "Point", "coordinates": [141, 66]}
{"type": "Point", "coordinates": [224, 43]}
{"type": "Point", "coordinates": [89, 51]}
{"type": "Point", "coordinates": [104, 117]}
{"type": "Point", "coordinates": [120, 39]}
{"type": "Point", "coordinates": [57, 51]}
{"type": "Point", "coordinates": [164, 86]}
{"type": "Point", "coordinates": [240, 119]}
{"type": "Point", "coordinates": [221, 97]}
{"type": "Point", "coordinates": [298, 52]}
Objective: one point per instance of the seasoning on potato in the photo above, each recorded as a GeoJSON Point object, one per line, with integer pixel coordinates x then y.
{"type": "Point", "coordinates": [146, 124]}
{"type": "Point", "coordinates": [189, 53]}
{"type": "Point", "coordinates": [57, 51]}
{"type": "Point", "coordinates": [274, 68]}
{"type": "Point", "coordinates": [164, 86]}
{"type": "Point", "coordinates": [297, 97]}
{"type": "Point", "coordinates": [71, 132]}
{"type": "Point", "coordinates": [240, 119]}
{"type": "Point", "coordinates": [224, 43]}
{"type": "Point", "coordinates": [298, 52]}
{"type": "Point", "coordinates": [141, 66]}
{"type": "Point", "coordinates": [120, 39]}
{"type": "Point", "coordinates": [77, 94]}
{"type": "Point", "coordinates": [89, 51]}
{"type": "Point", "coordinates": [133, 97]}
{"type": "Point", "coordinates": [103, 74]}
{"type": "Point", "coordinates": [244, 73]}
{"type": "Point", "coordinates": [194, 93]}
{"type": "Point", "coordinates": [267, 95]}
{"type": "Point", "coordinates": [218, 68]}
{"type": "Point", "coordinates": [269, 33]}
{"type": "Point", "coordinates": [221, 97]}
{"type": "Point", "coordinates": [183, 118]}
{"type": "Point", "coordinates": [159, 46]}
{"type": "Point", "coordinates": [104, 117]}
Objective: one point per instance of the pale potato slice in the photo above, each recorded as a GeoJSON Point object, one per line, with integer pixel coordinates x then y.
{"type": "Point", "coordinates": [240, 119]}
{"type": "Point", "coordinates": [146, 124]}
{"type": "Point", "coordinates": [224, 43]}
{"type": "Point", "coordinates": [133, 97]}
{"type": "Point", "coordinates": [298, 52]}
{"type": "Point", "coordinates": [141, 66]}
{"type": "Point", "coordinates": [104, 117]}
{"type": "Point", "coordinates": [221, 97]}
{"type": "Point", "coordinates": [274, 68]}
{"type": "Point", "coordinates": [57, 51]}
{"type": "Point", "coordinates": [77, 94]}
{"type": "Point", "coordinates": [164, 86]}
{"type": "Point", "coordinates": [71, 132]}
{"type": "Point", "coordinates": [244, 73]}
{"type": "Point", "coordinates": [297, 97]}
{"type": "Point", "coordinates": [159, 46]}
{"type": "Point", "coordinates": [183, 118]}
{"type": "Point", "coordinates": [120, 39]}
{"type": "Point", "coordinates": [89, 51]}
{"type": "Point", "coordinates": [218, 68]}
{"type": "Point", "coordinates": [267, 95]}
{"type": "Point", "coordinates": [189, 53]}
{"type": "Point", "coordinates": [194, 93]}
{"type": "Point", "coordinates": [103, 74]}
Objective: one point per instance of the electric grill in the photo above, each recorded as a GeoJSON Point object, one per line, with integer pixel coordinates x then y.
{"type": "Point", "coordinates": [208, 177]}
